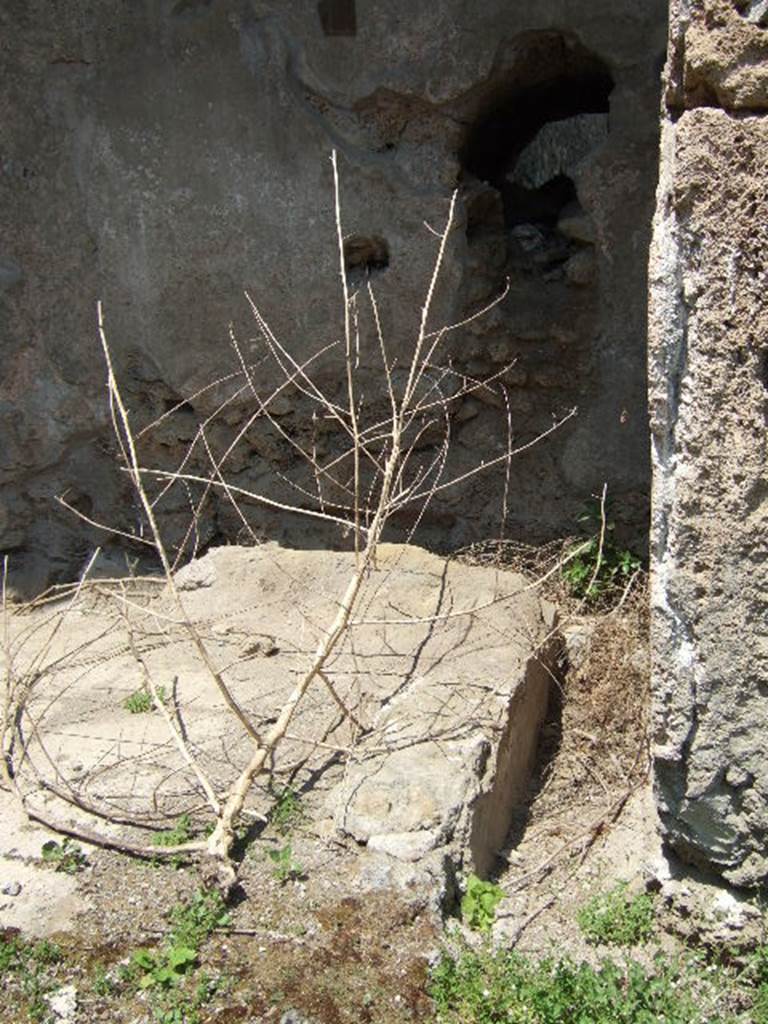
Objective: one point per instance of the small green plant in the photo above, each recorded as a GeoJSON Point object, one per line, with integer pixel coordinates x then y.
{"type": "Point", "coordinates": [45, 953]}
{"type": "Point", "coordinates": [25, 966]}
{"type": "Point", "coordinates": [598, 567]}
{"type": "Point", "coordinates": [617, 918]}
{"type": "Point", "coordinates": [286, 868]}
{"type": "Point", "coordinates": [757, 973]}
{"type": "Point", "coordinates": [488, 987]}
{"type": "Point", "coordinates": [758, 963]}
{"type": "Point", "coordinates": [208, 986]}
{"type": "Point", "coordinates": [287, 812]}
{"type": "Point", "coordinates": [176, 1006]}
{"type": "Point", "coordinates": [180, 833]}
{"type": "Point", "coordinates": [140, 701]}
{"type": "Point", "coordinates": [65, 856]}
{"type": "Point", "coordinates": [168, 973]}
{"type": "Point", "coordinates": [760, 1005]}
{"type": "Point", "coordinates": [162, 968]}
{"type": "Point", "coordinates": [182, 1012]}
{"type": "Point", "coordinates": [104, 983]}
{"type": "Point", "coordinates": [479, 902]}
{"type": "Point", "coordinates": [10, 955]}
{"type": "Point", "coordinates": [193, 922]}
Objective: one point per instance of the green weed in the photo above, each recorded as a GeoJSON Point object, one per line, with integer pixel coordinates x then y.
{"type": "Point", "coordinates": [479, 902]}
{"type": "Point", "coordinates": [287, 812]}
{"type": "Point", "coordinates": [162, 968]}
{"type": "Point", "coordinates": [210, 985]}
{"type": "Point", "coordinates": [757, 971]}
{"type": "Point", "coordinates": [760, 1005]}
{"type": "Point", "coordinates": [65, 856]}
{"type": "Point", "coordinates": [140, 701]}
{"type": "Point", "coordinates": [104, 983]}
{"type": "Point", "coordinates": [286, 868]}
{"type": "Point", "coordinates": [26, 966]}
{"type": "Point", "coordinates": [177, 1007]}
{"type": "Point", "coordinates": [598, 569]}
{"type": "Point", "coordinates": [182, 832]}
{"type": "Point", "coordinates": [178, 835]}
{"type": "Point", "coordinates": [45, 953]}
{"type": "Point", "coordinates": [10, 955]}
{"type": "Point", "coordinates": [191, 924]}
{"type": "Point", "coordinates": [616, 918]}
{"type": "Point", "coordinates": [487, 987]}
{"type": "Point", "coordinates": [182, 1012]}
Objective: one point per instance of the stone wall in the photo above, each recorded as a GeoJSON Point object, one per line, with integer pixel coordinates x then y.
{"type": "Point", "coordinates": [708, 402]}
{"type": "Point", "coordinates": [165, 155]}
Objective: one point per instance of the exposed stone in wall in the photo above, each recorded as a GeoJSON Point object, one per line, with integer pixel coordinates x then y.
{"type": "Point", "coordinates": [718, 55]}
{"type": "Point", "coordinates": [558, 148]}
{"type": "Point", "coordinates": [709, 410]}
{"type": "Point", "coordinates": [165, 156]}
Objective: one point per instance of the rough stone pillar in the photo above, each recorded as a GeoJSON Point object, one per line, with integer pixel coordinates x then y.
{"type": "Point", "coordinates": [708, 381]}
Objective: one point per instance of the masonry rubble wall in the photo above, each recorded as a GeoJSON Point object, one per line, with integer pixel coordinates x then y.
{"type": "Point", "coordinates": [165, 155]}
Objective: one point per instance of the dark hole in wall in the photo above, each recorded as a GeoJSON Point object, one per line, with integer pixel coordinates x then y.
{"type": "Point", "coordinates": [79, 501]}
{"type": "Point", "coordinates": [365, 256]}
{"type": "Point", "coordinates": [553, 78]}
{"type": "Point", "coordinates": [503, 131]}
{"type": "Point", "coordinates": [338, 17]}
{"type": "Point", "coordinates": [546, 227]}
{"type": "Point", "coordinates": [178, 405]}
{"type": "Point", "coordinates": [541, 205]}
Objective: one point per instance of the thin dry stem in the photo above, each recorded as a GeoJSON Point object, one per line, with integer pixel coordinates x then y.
{"type": "Point", "coordinates": [348, 360]}
{"type": "Point", "coordinates": [175, 733]}
{"type": "Point", "coordinates": [123, 430]}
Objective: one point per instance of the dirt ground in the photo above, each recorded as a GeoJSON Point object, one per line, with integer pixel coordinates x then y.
{"type": "Point", "coordinates": [315, 944]}
{"type": "Point", "coordinates": [318, 945]}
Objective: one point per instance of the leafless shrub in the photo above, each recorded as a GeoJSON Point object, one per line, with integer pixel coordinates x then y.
{"type": "Point", "coordinates": [383, 468]}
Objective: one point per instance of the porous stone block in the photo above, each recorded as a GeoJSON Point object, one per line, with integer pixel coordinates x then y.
{"type": "Point", "coordinates": [719, 55]}
{"type": "Point", "coordinates": [708, 380]}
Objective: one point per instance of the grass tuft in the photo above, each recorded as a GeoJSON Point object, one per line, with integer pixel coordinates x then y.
{"type": "Point", "coordinates": [616, 918]}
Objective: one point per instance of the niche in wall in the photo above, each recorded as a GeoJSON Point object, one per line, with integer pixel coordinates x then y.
{"type": "Point", "coordinates": [338, 17]}
{"type": "Point", "coordinates": [535, 123]}
{"type": "Point", "coordinates": [541, 189]}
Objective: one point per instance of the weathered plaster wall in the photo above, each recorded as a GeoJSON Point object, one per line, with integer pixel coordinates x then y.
{"type": "Point", "coordinates": [709, 404]}
{"type": "Point", "coordinates": [163, 155]}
